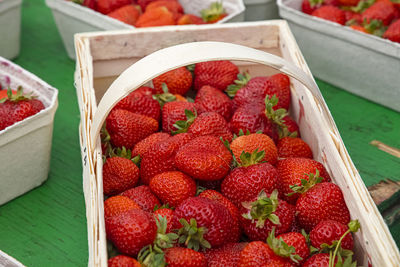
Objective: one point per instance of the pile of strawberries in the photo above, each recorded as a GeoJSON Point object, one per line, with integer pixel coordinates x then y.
{"type": "Point", "coordinates": [377, 17]}
{"type": "Point", "coordinates": [221, 180]}
{"type": "Point", "coordinates": [16, 106]}
{"type": "Point", "coordinates": [149, 13]}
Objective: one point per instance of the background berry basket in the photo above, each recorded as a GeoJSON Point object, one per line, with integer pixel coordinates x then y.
{"type": "Point", "coordinates": [10, 15]}
{"type": "Point", "coordinates": [345, 57]}
{"type": "Point", "coordinates": [260, 10]}
{"type": "Point", "coordinates": [72, 18]}
{"type": "Point", "coordinates": [27, 142]}
{"type": "Point", "coordinates": [102, 57]}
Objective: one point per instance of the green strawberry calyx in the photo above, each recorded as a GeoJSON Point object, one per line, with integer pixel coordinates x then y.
{"type": "Point", "coordinates": [213, 12]}
{"type": "Point", "coordinates": [153, 255]}
{"type": "Point", "coordinates": [314, 3]}
{"type": "Point", "coordinates": [164, 206]}
{"type": "Point", "coordinates": [375, 27]}
{"type": "Point", "coordinates": [262, 209]}
{"type": "Point", "coordinates": [277, 116]}
{"type": "Point", "coordinates": [19, 96]}
{"type": "Point", "coordinates": [165, 97]}
{"type": "Point", "coordinates": [125, 153]}
{"type": "Point", "coordinates": [281, 248]}
{"type": "Point", "coordinates": [248, 159]}
{"type": "Point", "coordinates": [239, 83]}
{"type": "Point", "coordinates": [183, 126]}
{"type": "Point", "coordinates": [305, 184]}
{"type": "Point", "coordinates": [362, 6]}
{"type": "Point", "coordinates": [192, 236]}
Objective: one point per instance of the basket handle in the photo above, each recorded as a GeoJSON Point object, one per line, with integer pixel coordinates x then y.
{"type": "Point", "coordinates": [181, 55]}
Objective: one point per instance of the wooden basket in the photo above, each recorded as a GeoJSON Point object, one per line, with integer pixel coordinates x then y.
{"type": "Point", "coordinates": [103, 57]}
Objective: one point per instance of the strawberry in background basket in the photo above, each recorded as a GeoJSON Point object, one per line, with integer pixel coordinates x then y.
{"type": "Point", "coordinates": [15, 106]}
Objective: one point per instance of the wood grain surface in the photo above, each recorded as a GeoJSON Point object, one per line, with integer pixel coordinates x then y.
{"type": "Point", "coordinates": [47, 226]}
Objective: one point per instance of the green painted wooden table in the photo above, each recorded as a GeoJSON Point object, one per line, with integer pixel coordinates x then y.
{"type": "Point", "coordinates": [47, 226]}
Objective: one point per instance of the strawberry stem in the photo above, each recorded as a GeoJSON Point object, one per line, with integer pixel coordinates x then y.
{"type": "Point", "coordinates": [353, 227]}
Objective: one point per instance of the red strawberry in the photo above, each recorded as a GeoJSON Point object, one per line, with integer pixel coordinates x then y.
{"type": "Point", "coordinates": [184, 257]}
{"type": "Point", "coordinates": [384, 11]}
{"type": "Point", "coordinates": [252, 142]}
{"type": "Point", "coordinates": [4, 93]}
{"type": "Point", "coordinates": [289, 147]}
{"type": "Point", "coordinates": [92, 4]}
{"type": "Point", "coordinates": [218, 197]}
{"type": "Point", "coordinates": [263, 214]}
{"type": "Point", "coordinates": [107, 6]}
{"type": "Point", "coordinates": [204, 158]}
{"type": "Point", "coordinates": [190, 19]}
{"type": "Point", "coordinates": [207, 213]}
{"type": "Point", "coordinates": [353, 17]}
{"type": "Point", "coordinates": [119, 174]}
{"type": "Point", "coordinates": [321, 202]}
{"type": "Point", "coordinates": [292, 170]}
{"type": "Point", "coordinates": [127, 128]}
{"type": "Point", "coordinates": [329, 231]}
{"type": "Point", "coordinates": [159, 16]}
{"type": "Point", "coordinates": [318, 260]}
{"type": "Point", "coordinates": [123, 261]}
{"type": "Point", "coordinates": [140, 103]}
{"type": "Point", "coordinates": [359, 28]}
{"type": "Point", "coordinates": [210, 123]}
{"type": "Point", "coordinates": [143, 196]}
{"type": "Point", "coordinates": [173, 112]}
{"type": "Point", "coordinates": [167, 213]}
{"type": "Point", "coordinates": [173, 187]}
{"type": "Point", "coordinates": [118, 204]}
{"type": "Point", "coordinates": [143, 3]}
{"type": "Point", "coordinates": [225, 256]}
{"type": "Point", "coordinates": [218, 74]}
{"type": "Point", "coordinates": [299, 242]}
{"type": "Point", "coordinates": [143, 146]}
{"type": "Point", "coordinates": [128, 14]}
{"type": "Point", "coordinates": [214, 13]}
{"type": "Point", "coordinates": [172, 6]}
{"type": "Point", "coordinates": [145, 91]}
{"type": "Point", "coordinates": [178, 80]}
{"type": "Point", "coordinates": [331, 13]}
{"type": "Point", "coordinates": [308, 6]}
{"type": "Point", "coordinates": [244, 183]}
{"type": "Point", "coordinates": [258, 253]}
{"type": "Point", "coordinates": [210, 99]}
{"type": "Point", "coordinates": [393, 32]}
{"type": "Point", "coordinates": [131, 231]}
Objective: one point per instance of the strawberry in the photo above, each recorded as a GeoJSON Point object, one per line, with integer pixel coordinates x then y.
{"type": "Point", "coordinates": [143, 196]}
{"type": "Point", "coordinates": [131, 231]}
{"type": "Point", "coordinates": [119, 174]}
{"type": "Point", "coordinates": [118, 204]}
{"type": "Point", "coordinates": [289, 147]}
{"type": "Point", "coordinates": [204, 158]}
{"type": "Point", "coordinates": [190, 19]}
{"type": "Point", "coordinates": [172, 5]}
{"type": "Point", "coordinates": [172, 187]}
{"type": "Point", "coordinates": [167, 213]}
{"type": "Point", "coordinates": [213, 185]}
{"type": "Point", "coordinates": [258, 253]}
{"type": "Point", "coordinates": [308, 6]}
{"type": "Point", "coordinates": [218, 197]}
{"type": "Point", "coordinates": [331, 13]}
{"type": "Point", "coordinates": [393, 32]}
{"type": "Point", "coordinates": [218, 74]}
{"type": "Point", "coordinates": [210, 99]}
{"type": "Point", "coordinates": [215, 12]}
{"type": "Point", "coordinates": [384, 11]}
{"type": "Point", "coordinates": [325, 232]}
{"type": "Point", "coordinates": [145, 91]}
{"type": "Point", "coordinates": [92, 4]}
{"type": "Point", "coordinates": [178, 80]}
{"type": "Point", "coordinates": [123, 261]}
{"type": "Point", "coordinates": [293, 170]}
{"type": "Point", "coordinates": [127, 128]}
{"type": "Point", "coordinates": [209, 221]}
{"type": "Point", "coordinates": [173, 112]}
{"type": "Point", "coordinates": [143, 3]}
{"type": "Point", "coordinates": [321, 202]}
{"type": "Point", "coordinates": [145, 145]}
{"type": "Point", "coordinates": [318, 260]}
{"type": "Point", "coordinates": [4, 93]}
{"type": "Point", "coordinates": [352, 17]}
{"type": "Point", "coordinates": [159, 16]}
{"type": "Point", "coordinates": [252, 142]}
{"type": "Point", "coordinates": [299, 242]}
{"type": "Point", "coordinates": [227, 255]}
{"type": "Point", "coordinates": [349, 2]}
{"type": "Point", "coordinates": [140, 103]}
{"type": "Point", "coordinates": [359, 28]}
{"type": "Point", "coordinates": [108, 6]}
{"type": "Point", "coordinates": [128, 14]}
{"type": "Point", "coordinates": [210, 123]}
{"type": "Point", "coordinates": [17, 107]}
{"type": "Point", "coordinates": [184, 257]}
{"type": "Point", "coordinates": [263, 214]}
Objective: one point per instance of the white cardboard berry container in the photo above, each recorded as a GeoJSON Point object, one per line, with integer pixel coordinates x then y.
{"type": "Point", "coordinates": [360, 63]}
{"type": "Point", "coordinates": [10, 15]}
{"type": "Point", "coordinates": [105, 74]}
{"type": "Point", "coordinates": [260, 10]}
{"type": "Point", "coordinates": [72, 18]}
{"type": "Point", "coordinates": [8, 261]}
{"type": "Point", "coordinates": [25, 146]}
